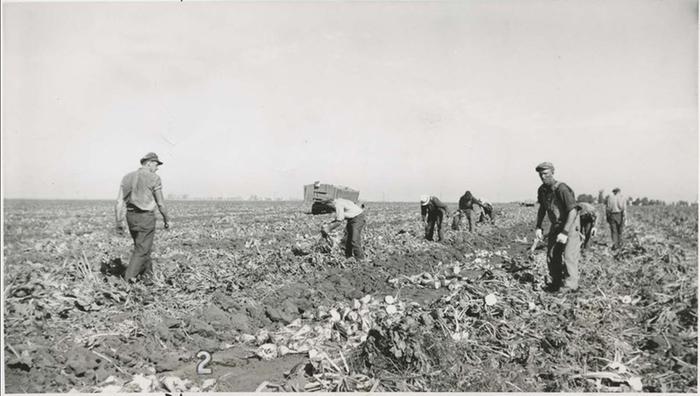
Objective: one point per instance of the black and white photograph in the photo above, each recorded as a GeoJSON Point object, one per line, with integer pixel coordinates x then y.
{"type": "Point", "coordinates": [349, 196]}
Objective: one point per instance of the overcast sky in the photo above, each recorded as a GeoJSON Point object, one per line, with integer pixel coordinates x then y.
{"type": "Point", "coordinates": [395, 99]}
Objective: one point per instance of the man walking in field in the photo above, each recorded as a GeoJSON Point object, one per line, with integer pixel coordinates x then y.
{"type": "Point", "coordinates": [615, 208]}
{"type": "Point", "coordinates": [589, 219]}
{"type": "Point", "coordinates": [139, 193]}
{"type": "Point", "coordinates": [558, 202]}
{"type": "Point", "coordinates": [355, 216]}
{"type": "Point", "coordinates": [432, 212]}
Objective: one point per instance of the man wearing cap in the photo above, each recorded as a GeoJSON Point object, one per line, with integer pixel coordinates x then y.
{"type": "Point", "coordinates": [435, 211]}
{"type": "Point", "coordinates": [139, 193]}
{"type": "Point", "coordinates": [558, 202]}
{"type": "Point", "coordinates": [355, 216]}
{"type": "Point", "coordinates": [615, 208]}
{"type": "Point", "coordinates": [589, 219]}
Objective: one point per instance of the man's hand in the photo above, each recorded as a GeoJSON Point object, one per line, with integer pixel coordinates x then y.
{"type": "Point", "coordinates": [166, 224]}
{"type": "Point", "coordinates": [324, 231]}
{"type": "Point", "coordinates": [538, 233]}
{"type": "Point", "coordinates": [562, 238]}
{"type": "Point", "coordinates": [593, 231]}
{"type": "Point", "coordinates": [120, 230]}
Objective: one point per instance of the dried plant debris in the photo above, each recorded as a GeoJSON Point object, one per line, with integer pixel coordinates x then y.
{"type": "Point", "coordinates": [251, 290]}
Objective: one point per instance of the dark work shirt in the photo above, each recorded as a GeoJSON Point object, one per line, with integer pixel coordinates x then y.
{"type": "Point", "coordinates": [587, 212]}
{"type": "Point", "coordinates": [558, 200]}
{"type": "Point", "coordinates": [434, 204]}
{"type": "Point", "coordinates": [468, 203]}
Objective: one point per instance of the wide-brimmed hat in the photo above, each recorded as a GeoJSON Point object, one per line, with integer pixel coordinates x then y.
{"type": "Point", "coordinates": [424, 199]}
{"type": "Point", "coordinates": [151, 157]}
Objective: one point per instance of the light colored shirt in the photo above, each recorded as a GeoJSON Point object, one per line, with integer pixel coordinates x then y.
{"type": "Point", "coordinates": [346, 209]}
{"type": "Point", "coordinates": [615, 203]}
{"type": "Point", "coordinates": [138, 188]}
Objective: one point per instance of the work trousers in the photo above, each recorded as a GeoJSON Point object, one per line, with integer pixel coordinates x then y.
{"type": "Point", "coordinates": [353, 239]}
{"type": "Point", "coordinates": [142, 226]}
{"type": "Point", "coordinates": [488, 213]}
{"type": "Point", "coordinates": [469, 213]}
{"type": "Point", "coordinates": [435, 218]}
{"type": "Point", "coordinates": [586, 229]}
{"type": "Point", "coordinates": [616, 225]}
{"type": "Point", "coordinates": [562, 259]}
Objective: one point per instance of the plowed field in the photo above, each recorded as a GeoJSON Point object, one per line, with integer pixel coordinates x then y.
{"type": "Point", "coordinates": [272, 307]}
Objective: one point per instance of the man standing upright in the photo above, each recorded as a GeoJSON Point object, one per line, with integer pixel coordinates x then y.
{"type": "Point", "coordinates": [615, 208]}
{"type": "Point", "coordinates": [558, 202]}
{"type": "Point", "coordinates": [435, 211]}
{"type": "Point", "coordinates": [355, 216]}
{"type": "Point", "coordinates": [139, 193]}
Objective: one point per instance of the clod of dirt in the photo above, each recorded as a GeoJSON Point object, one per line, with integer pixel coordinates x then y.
{"type": "Point", "coordinates": [80, 360]}
{"type": "Point", "coordinates": [277, 315]}
{"type": "Point", "coordinates": [23, 362]}
{"type": "Point", "coordinates": [290, 307]}
{"type": "Point", "coordinates": [197, 326]}
{"type": "Point", "coordinates": [207, 344]}
{"type": "Point", "coordinates": [301, 249]}
{"type": "Point", "coordinates": [241, 322]}
{"type": "Point", "coordinates": [114, 267]}
{"type": "Point", "coordinates": [225, 301]}
{"type": "Point", "coordinates": [165, 361]}
{"type": "Point", "coordinates": [216, 317]}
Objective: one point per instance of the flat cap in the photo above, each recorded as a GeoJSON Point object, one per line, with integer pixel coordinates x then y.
{"type": "Point", "coordinates": [543, 166]}
{"type": "Point", "coordinates": [151, 157]}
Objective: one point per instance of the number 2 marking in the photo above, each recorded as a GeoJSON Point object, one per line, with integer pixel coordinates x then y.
{"type": "Point", "coordinates": [202, 368]}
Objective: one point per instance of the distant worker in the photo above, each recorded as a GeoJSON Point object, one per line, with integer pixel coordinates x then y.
{"type": "Point", "coordinates": [487, 215]}
{"type": "Point", "coordinates": [139, 193]}
{"type": "Point", "coordinates": [615, 208]}
{"type": "Point", "coordinates": [355, 216]}
{"type": "Point", "coordinates": [589, 220]}
{"type": "Point", "coordinates": [433, 212]}
{"type": "Point", "coordinates": [558, 202]}
{"type": "Point", "coordinates": [466, 205]}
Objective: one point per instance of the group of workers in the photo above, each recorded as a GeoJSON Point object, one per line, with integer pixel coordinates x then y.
{"type": "Point", "coordinates": [434, 212]}
{"type": "Point", "coordinates": [572, 223]}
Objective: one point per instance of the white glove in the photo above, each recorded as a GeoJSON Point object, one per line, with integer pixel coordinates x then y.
{"type": "Point", "coordinates": [562, 238]}
{"type": "Point", "coordinates": [538, 233]}
{"type": "Point", "coordinates": [593, 231]}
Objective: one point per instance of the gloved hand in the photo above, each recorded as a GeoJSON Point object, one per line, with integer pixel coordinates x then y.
{"type": "Point", "coordinates": [538, 233]}
{"type": "Point", "coordinates": [593, 231]}
{"type": "Point", "coordinates": [562, 238]}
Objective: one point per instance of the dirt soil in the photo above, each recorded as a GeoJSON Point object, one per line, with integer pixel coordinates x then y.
{"type": "Point", "coordinates": [228, 271]}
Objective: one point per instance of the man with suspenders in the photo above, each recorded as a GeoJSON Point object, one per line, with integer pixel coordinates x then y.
{"type": "Point", "coordinates": [558, 202]}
